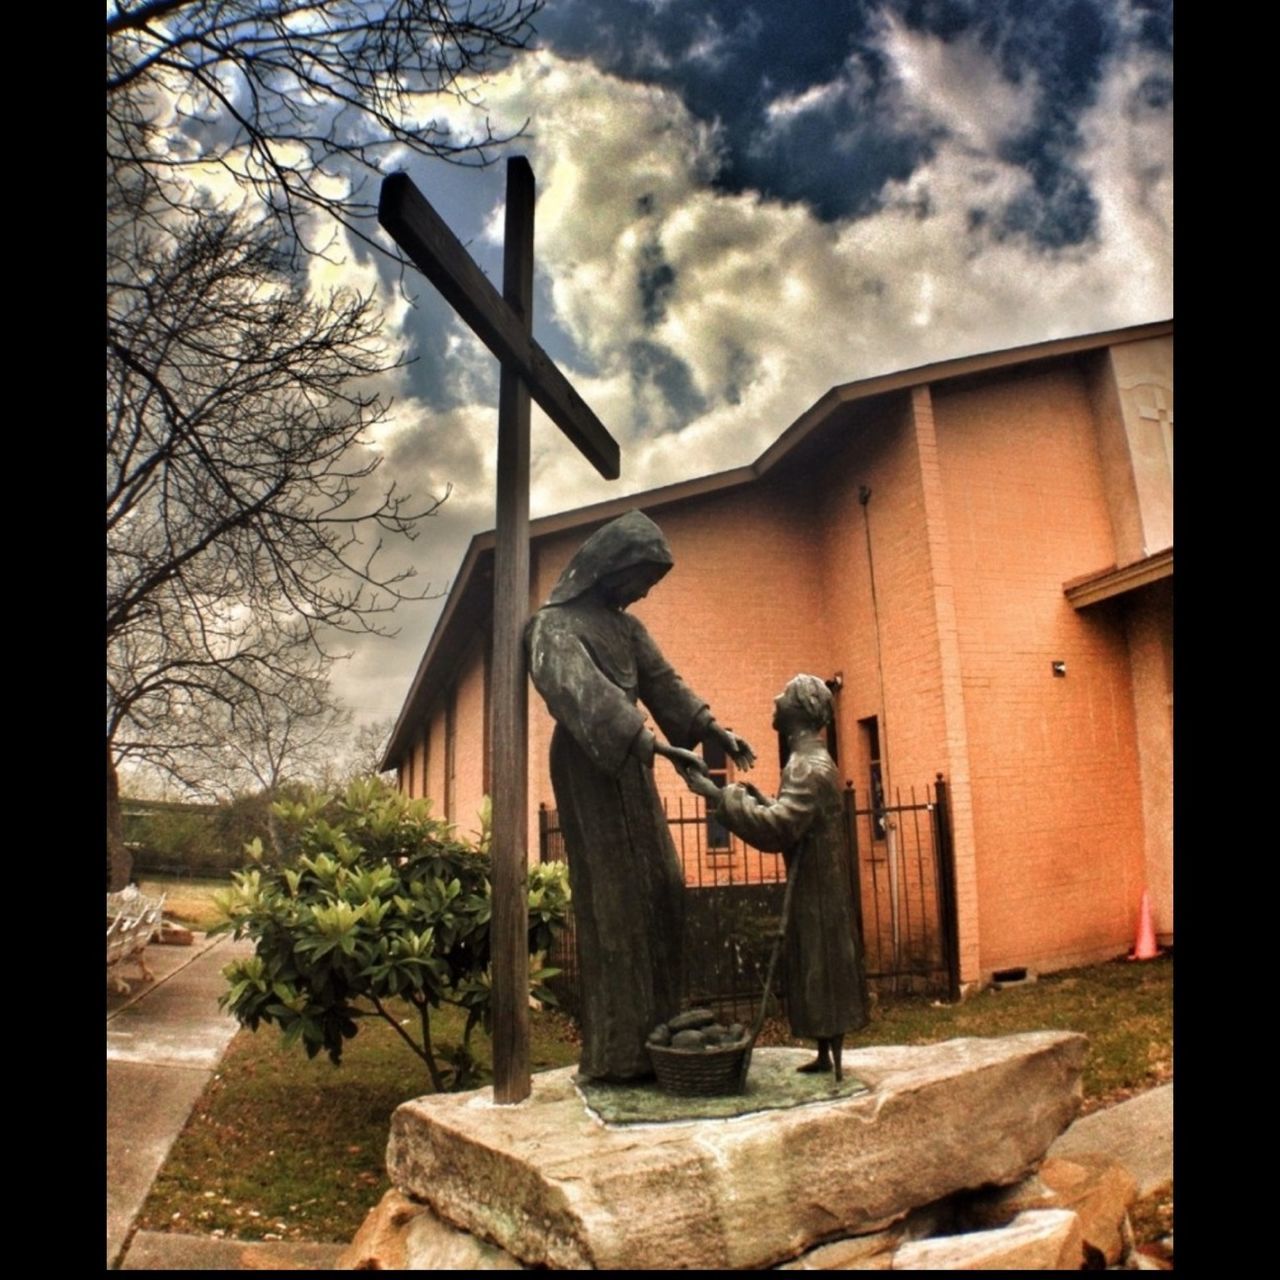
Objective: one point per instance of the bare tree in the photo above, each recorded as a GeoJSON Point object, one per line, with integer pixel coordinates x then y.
{"type": "Point", "coordinates": [369, 746]}
{"type": "Point", "coordinates": [242, 528]}
{"type": "Point", "coordinates": [292, 734]}
{"type": "Point", "coordinates": [234, 416]}
{"type": "Point", "coordinates": [293, 738]}
{"type": "Point", "coordinates": [299, 103]}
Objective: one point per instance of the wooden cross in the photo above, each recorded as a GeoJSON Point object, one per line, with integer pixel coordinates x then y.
{"type": "Point", "coordinates": [503, 323]}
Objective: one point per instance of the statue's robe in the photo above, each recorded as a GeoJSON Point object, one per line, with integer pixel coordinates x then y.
{"type": "Point", "coordinates": [592, 664]}
{"type": "Point", "coordinates": [823, 982]}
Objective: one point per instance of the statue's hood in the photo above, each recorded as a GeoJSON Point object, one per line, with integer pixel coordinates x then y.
{"type": "Point", "coordinates": [629, 540]}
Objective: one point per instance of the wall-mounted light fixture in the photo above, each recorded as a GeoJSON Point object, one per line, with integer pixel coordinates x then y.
{"type": "Point", "coordinates": [836, 683]}
{"type": "Point", "coordinates": [1059, 668]}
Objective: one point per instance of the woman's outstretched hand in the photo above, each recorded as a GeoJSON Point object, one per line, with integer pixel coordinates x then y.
{"type": "Point", "coordinates": [737, 749]}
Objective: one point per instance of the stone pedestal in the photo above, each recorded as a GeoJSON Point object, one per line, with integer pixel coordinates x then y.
{"type": "Point", "coordinates": [552, 1185]}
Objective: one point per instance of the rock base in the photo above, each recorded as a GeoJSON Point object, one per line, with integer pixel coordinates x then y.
{"type": "Point", "coordinates": [547, 1184]}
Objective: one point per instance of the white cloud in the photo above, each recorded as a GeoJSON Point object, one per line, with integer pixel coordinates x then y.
{"type": "Point", "coordinates": [768, 306]}
{"type": "Point", "coordinates": [786, 107]}
{"type": "Point", "coordinates": [709, 47]}
{"type": "Point", "coordinates": [955, 84]}
{"type": "Point", "coordinates": [1130, 168]}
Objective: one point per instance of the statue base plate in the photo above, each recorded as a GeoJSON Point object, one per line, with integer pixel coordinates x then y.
{"type": "Point", "coordinates": [772, 1085]}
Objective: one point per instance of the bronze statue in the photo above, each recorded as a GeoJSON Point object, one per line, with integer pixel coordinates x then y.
{"type": "Point", "coordinates": [823, 979]}
{"type": "Point", "coordinates": [592, 661]}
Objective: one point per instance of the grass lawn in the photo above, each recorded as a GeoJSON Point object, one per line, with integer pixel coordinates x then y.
{"type": "Point", "coordinates": [283, 1147]}
{"type": "Point", "coordinates": [188, 900]}
{"type": "Point", "coordinates": [1125, 1009]}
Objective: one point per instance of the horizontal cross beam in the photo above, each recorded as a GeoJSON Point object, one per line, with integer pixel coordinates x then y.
{"type": "Point", "coordinates": [420, 231]}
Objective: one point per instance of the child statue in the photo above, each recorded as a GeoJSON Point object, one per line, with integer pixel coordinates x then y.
{"type": "Point", "coordinates": [823, 979]}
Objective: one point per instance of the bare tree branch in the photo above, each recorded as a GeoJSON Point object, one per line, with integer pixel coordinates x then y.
{"type": "Point", "coordinates": [244, 523]}
{"type": "Point", "coordinates": [301, 104]}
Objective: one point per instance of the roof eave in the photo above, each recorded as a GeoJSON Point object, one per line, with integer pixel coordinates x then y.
{"type": "Point", "coordinates": [1093, 588]}
{"type": "Point", "coordinates": [944, 371]}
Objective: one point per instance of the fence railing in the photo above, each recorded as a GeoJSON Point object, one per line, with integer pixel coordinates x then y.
{"type": "Point", "coordinates": [905, 891]}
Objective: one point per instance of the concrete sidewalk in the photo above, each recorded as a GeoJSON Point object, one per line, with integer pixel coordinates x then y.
{"type": "Point", "coordinates": [164, 1042]}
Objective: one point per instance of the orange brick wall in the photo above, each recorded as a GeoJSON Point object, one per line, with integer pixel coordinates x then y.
{"type": "Point", "coordinates": [956, 740]}
{"type": "Point", "coordinates": [428, 756]}
{"type": "Point", "coordinates": [881, 454]}
{"type": "Point", "coordinates": [1149, 620]}
{"type": "Point", "coordinates": [434, 773]}
{"type": "Point", "coordinates": [469, 763]}
{"type": "Point", "coordinates": [412, 775]}
{"type": "Point", "coordinates": [903, 680]}
{"type": "Point", "coordinates": [547, 558]}
{"type": "Point", "coordinates": [419, 757]}
{"type": "Point", "coordinates": [1056, 807]}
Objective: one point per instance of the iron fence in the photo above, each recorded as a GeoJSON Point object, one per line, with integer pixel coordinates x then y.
{"type": "Point", "coordinates": [901, 880]}
{"type": "Point", "coordinates": [904, 891]}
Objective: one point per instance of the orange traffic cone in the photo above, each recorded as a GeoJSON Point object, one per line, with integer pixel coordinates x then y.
{"type": "Point", "coordinates": [1144, 946]}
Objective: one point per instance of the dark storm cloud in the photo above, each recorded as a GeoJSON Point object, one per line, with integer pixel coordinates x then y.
{"type": "Point", "coordinates": [729, 62]}
{"type": "Point", "coordinates": [739, 209]}
{"type": "Point", "coordinates": [1063, 44]}
{"type": "Point", "coordinates": [656, 280]}
{"type": "Point", "coordinates": [655, 368]}
{"type": "Point", "coordinates": [732, 62]}
{"type": "Point", "coordinates": [467, 199]}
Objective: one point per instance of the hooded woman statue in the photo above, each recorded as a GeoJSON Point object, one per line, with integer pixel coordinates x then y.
{"type": "Point", "coordinates": [592, 662]}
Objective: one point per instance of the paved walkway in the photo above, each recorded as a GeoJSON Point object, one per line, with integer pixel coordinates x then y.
{"type": "Point", "coordinates": [166, 1038]}
{"type": "Point", "coordinates": [164, 1042]}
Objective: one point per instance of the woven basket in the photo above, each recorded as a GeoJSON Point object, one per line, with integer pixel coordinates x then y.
{"type": "Point", "coordinates": [700, 1073]}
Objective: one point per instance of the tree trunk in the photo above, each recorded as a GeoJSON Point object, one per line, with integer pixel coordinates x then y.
{"type": "Point", "coordinates": [273, 829]}
{"type": "Point", "coordinates": [119, 859]}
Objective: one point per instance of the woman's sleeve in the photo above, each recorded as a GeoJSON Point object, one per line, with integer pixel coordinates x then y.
{"type": "Point", "coordinates": [779, 824]}
{"type": "Point", "coordinates": [592, 708]}
{"type": "Point", "coordinates": [678, 711]}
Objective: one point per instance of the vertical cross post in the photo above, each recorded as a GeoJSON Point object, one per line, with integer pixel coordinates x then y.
{"type": "Point", "coordinates": [509, 925]}
{"type": "Point", "coordinates": [504, 325]}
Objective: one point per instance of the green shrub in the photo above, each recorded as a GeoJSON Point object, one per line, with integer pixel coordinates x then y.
{"type": "Point", "coordinates": [383, 905]}
{"type": "Point", "coordinates": [200, 839]}
{"type": "Point", "coordinates": [179, 840]}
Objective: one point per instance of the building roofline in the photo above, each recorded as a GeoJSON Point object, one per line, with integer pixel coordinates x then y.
{"type": "Point", "coordinates": [811, 420]}
{"type": "Point", "coordinates": [399, 743]}
{"type": "Point", "coordinates": [944, 371]}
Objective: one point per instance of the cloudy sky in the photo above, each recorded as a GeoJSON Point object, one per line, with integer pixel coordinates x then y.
{"type": "Point", "coordinates": [742, 204]}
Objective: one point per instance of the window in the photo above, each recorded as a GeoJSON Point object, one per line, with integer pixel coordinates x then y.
{"type": "Point", "coordinates": [870, 728]}
{"type": "Point", "coordinates": [718, 771]}
{"type": "Point", "coordinates": [833, 742]}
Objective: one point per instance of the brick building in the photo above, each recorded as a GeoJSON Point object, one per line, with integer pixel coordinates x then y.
{"type": "Point", "coordinates": [979, 554]}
